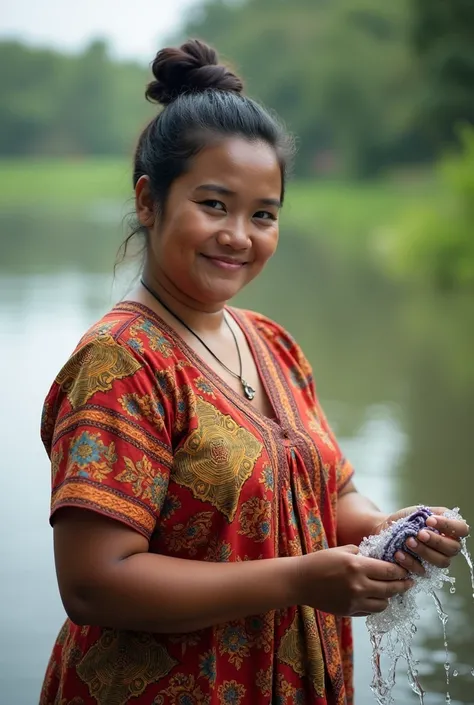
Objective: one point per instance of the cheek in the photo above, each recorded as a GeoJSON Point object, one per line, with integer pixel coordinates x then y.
{"type": "Point", "coordinates": [189, 231]}
{"type": "Point", "coordinates": [265, 246]}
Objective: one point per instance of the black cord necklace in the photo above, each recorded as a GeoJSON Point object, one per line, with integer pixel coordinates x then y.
{"type": "Point", "coordinates": [249, 391]}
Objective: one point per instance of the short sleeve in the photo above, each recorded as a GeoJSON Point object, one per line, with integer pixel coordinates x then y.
{"type": "Point", "coordinates": [105, 428]}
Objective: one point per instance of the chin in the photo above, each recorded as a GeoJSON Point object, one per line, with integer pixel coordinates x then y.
{"type": "Point", "coordinates": [219, 294]}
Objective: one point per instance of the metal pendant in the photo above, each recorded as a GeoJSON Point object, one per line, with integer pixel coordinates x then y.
{"type": "Point", "coordinates": [248, 390]}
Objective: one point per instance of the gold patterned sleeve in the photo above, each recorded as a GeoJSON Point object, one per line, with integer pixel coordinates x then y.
{"type": "Point", "coordinates": [106, 430]}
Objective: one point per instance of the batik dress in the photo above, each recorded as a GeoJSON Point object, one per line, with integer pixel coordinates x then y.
{"type": "Point", "coordinates": [140, 429]}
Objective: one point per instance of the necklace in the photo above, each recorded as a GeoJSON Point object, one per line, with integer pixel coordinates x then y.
{"type": "Point", "coordinates": [249, 391]}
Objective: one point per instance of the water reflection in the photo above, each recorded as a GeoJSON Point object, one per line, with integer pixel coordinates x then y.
{"type": "Point", "coordinates": [394, 370]}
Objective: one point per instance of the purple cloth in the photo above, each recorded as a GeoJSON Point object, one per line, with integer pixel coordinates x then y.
{"type": "Point", "coordinates": [410, 526]}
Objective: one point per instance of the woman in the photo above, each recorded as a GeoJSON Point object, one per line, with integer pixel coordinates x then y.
{"type": "Point", "coordinates": [204, 516]}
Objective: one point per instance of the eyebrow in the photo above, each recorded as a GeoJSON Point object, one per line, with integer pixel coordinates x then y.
{"type": "Point", "coordinates": [216, 188]}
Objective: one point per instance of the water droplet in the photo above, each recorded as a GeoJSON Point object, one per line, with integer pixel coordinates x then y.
{"type": "Point", "coordinates": [393, 631]}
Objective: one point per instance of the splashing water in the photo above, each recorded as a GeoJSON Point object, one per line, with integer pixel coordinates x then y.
{"type": "Point", "coordinates": [391, 631]}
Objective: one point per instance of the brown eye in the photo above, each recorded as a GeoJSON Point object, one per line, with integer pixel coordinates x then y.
{"type": "Point", "coordinates": [264, 215]}
{"type": "Point", "coordinates": [215, 205]}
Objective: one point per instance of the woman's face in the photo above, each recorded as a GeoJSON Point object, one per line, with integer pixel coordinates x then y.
{"type": "Point", "coordinates": [220, 224]}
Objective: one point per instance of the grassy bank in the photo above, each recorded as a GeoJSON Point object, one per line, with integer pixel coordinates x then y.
{"type": "Point", "coordinates": [61, 184]}
{"type": "Point", "coordinates": [345, 213]}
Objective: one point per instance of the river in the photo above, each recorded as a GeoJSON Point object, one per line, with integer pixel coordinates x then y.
{"type": "Point", "coordinates": [394, 368]}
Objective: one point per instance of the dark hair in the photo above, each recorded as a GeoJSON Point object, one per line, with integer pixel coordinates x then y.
{"type": "Point", "coordinates": [201, 99]}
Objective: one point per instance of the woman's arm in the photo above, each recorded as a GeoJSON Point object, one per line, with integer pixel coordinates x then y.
{"type": "Point", "coordinates": [108, 577]}
{"type": "Point", "coordinates": [357, 516]}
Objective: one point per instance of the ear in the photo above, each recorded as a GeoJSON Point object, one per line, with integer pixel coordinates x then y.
{"type": "Point", "coordinates": [144, 204]}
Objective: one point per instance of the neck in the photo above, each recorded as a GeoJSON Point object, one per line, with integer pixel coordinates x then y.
{"type": "Point", "coordinates": [199, 317]}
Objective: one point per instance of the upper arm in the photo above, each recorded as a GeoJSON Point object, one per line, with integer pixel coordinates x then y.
{"type": "Point", "coordinates": [88, 549]}
{"type": "Point", "coordinates": [110, 451]}
{"type": "Point", "coordinates": [348, 488]}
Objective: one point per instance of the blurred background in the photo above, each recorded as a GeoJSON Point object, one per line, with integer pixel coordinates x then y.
{"type": "Point", "coordinates": [374, 274]}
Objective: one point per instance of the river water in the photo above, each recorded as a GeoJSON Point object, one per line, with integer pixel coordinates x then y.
{"type": "Point", "coordinates": [394, 369]}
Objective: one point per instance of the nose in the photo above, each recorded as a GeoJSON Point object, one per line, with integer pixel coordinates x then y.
{"type": "Point", "coordinates": [235, 235]}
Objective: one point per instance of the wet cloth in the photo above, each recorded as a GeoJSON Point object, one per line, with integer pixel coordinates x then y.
{"type": "Point", "coordinates": [403, 530]}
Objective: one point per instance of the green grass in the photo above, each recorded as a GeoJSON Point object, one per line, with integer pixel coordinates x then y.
{"type": "Point", "coordinates": [61, 184]}
{"type": "Point", "coordinates": [349, 213]}
{"type": "Point", "coordinates": [344, 213]}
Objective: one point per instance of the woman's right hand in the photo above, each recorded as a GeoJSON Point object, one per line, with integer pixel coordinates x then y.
{"type": "Point", "coordinates": [343, 582]}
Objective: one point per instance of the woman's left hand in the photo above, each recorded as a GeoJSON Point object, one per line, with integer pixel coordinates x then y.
{"type": "Point", "coordinates": [437, 549]}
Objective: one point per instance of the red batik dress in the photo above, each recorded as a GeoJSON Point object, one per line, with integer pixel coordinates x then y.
{"type": "Point", "coordinates": [140, 429]}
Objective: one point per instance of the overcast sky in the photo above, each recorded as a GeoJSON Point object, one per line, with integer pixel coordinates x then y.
{"type": "Point", "coordinates": [134, 28]}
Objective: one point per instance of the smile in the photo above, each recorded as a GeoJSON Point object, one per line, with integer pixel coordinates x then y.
{"type": "Point", "coordinates": [225, 263]}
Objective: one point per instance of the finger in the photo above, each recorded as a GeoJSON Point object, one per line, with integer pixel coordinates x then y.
{"type": "Point", "coordinates": [385, 590]}
{"type": "Point", "coordinates": [447, 546]}
{"type": "Point", "coordinates": [411, 564]}
{"type": "Point", "coordinates": [450, 527]}
{"type": "Point", "coordinates": [372, 605]}
{"type": "Point", "coordinates": [429, 555]}
{"type": "Point", "coordinates": [383, 570]}
{"type": "Point", "coordinates": [350, 548]}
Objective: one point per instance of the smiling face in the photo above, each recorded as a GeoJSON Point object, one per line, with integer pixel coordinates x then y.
{"type": "Point", "coordinates": [220, 223]}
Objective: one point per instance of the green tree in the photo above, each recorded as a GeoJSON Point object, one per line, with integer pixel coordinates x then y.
{"type": "Point", "coordinates": [443, 37]}
{"type": "Point", "coordinates": [340, 73]}
{"type": "Point", "coordinates": [55, 104]}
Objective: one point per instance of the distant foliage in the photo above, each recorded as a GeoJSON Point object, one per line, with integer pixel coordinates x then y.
{"type": "Point", "coordinates": [365, 85]}
{"type": "Point", "coordinates": [54, 104]}
{"type": "Point", "coordinates": [442, 34]}
{"type": "Point", "coordinates": [340, 73]}
{"type": "Point", "coordinates": [435, 241]}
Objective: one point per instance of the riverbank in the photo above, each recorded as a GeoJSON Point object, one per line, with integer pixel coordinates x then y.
{"type": "Point", "coordinates": [346, 214]}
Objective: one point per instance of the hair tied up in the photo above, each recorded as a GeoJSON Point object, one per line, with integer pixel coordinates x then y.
{"type": "Point", "coordinates": [194, 67]}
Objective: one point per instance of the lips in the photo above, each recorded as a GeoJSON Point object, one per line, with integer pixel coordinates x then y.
{"type": "Point", "coordinates": [229, 263]}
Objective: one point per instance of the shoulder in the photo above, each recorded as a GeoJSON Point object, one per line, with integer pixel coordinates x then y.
{"type": "Point", "coordinates": [282, 345]}
{"type": "Point", "coordinates": [118, 356]}
{"type": "Point", "coordinates": [268, 329]}
{"type": "Point", "coordinates": [126, 339]}
{"type": "Point", "coordinates": [131, 327]}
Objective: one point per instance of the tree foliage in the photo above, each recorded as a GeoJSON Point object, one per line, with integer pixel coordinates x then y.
{"type": "Point", "coordinates": [55, 104]}
{"type": "Point", "coordinates": [339, 72]}
{"type": "Point", "coordinates": [443, 38]}
{"type": "Point", "coordinates": [434, 241]}
{"type": "Point", "coordinates": [363, 84]}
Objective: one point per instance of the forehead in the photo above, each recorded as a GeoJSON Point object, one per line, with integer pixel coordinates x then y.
{"type": "Point", "coordinates": [239, 164]}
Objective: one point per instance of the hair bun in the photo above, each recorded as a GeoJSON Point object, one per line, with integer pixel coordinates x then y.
{"type": "Point", "coordinates": [193, 67]}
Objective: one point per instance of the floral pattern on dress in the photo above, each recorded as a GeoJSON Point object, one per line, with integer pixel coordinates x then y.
{"type": "Point", "coordinates": [146, 481]}
{"type": "Point", "coordinates": [267, 479]}
{"type": "Point", "coordinates": [207, 666]}
{"type": "Point", "coordinates": [256, 519]}
{"type": "Point", "coordinates": [149, 407]}
{"type": "Point", "coordinates": [189, 537]}
{"type": "Point", "coordinates": [234, 642]}
{"type": "Point", "coordinates": [139, 430]}
{"type": "Point", "coordinates": [231, 693]}
{"type": "Point", "coordinates": [90, 457]}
